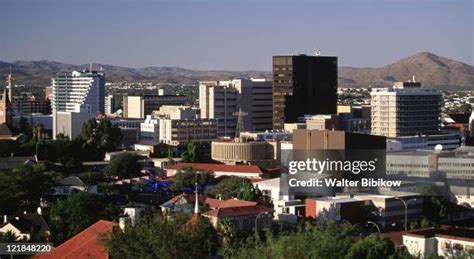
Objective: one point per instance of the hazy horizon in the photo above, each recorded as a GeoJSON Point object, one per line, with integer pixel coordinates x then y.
{"type": "Point", "coordinates": [237, 36]}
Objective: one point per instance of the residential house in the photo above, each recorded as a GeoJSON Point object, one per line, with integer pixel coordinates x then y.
{"type": "Point", "coordinates": [85, 244]}
{"type": "Point", "coordinates": [245, 171]}
{"type": "Point", "coordinates": [25, 226]}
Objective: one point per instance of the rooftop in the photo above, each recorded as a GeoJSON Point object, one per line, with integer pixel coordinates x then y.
{"type": "Point", "coordinates": [85, 244]}
{"type": "Point", "coordinates": [218, 167]}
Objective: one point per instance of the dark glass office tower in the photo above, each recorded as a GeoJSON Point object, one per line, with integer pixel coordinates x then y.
{"type": "Point", "coordinates": [303, 85]}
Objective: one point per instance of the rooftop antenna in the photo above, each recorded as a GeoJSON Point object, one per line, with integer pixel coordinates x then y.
{"type": "Point", "coordinates": [316, 53]}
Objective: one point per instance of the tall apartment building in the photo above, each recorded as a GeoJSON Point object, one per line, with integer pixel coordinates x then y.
{"type": "Point", "coordinates": [140, 106]}
{"type": "Point", "coordinates": [79, 89]}
{"type": "Point", "coordinates": [405, 109]}
{"type": "Point", "coordinates": [303, 85]}
{"type": "Point", "coordinates": [221, 99]}
{"type": "Point", "coordinates": [219, 102]}
{"type": "Point", "coordinates": [109, 104]}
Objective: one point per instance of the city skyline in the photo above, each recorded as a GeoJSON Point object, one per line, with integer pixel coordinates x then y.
{"type": "Point", "coordinates": [241, 35]}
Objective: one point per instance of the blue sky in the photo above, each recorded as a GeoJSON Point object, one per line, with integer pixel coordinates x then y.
{"type": "Point", "coordinates": [235, 35]}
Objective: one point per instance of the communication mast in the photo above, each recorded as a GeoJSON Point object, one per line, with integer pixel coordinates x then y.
{"type": "Point", "coordinates": [240, 122]}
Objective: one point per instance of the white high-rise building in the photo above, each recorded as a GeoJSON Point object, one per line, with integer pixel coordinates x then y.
{"type": "Point", "coordinates": [221, 99]}
{"type": "Point", "coordinates": [77, 97]}
{"type": "Point", "coordinates": [109, 104]}
{"type": "Point", "coordinates": [405, 109]}
{"type": "Point", "coordinates": [84, 89]}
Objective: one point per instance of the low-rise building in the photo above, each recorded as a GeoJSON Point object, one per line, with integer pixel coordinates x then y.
{"type": "Point", "coordinates": [245, 171]}
{"type": "Point", "coordinates": [24, 227]}
{"type": "Point", "coordinates": [448, 243]}
{"type": "Point", "coordinates": [140, 106]}
{"type": "Point", "coordinates": [335, 209]}
{"type": "Point", "coordinates": [244, 215]}
{"type": "Point", "coordinates": [85, 244]}
{"type": "Point", "coordinates": [322, 122]}
{"type": "Point", "coordinates": [71, 184]}
{"type": "Point", "coordinates": [245, 152]}
{"type": "Point", "coordinates": [390, 209]}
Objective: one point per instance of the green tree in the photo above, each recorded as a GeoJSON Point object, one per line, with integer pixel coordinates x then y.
{"type": "Point", "coordinates": [123, 166]}
{"type": "Point", "coordinates": [100, 135]}
{"type": "Point", "coordinates": [156, 237]}
{"type": "Point", "coordinates": [191, 154]}
{"type": "Point", "coordinates": [227, 188]}
{"type": "Point", "coordinates": [188, 177]}
{"type": "Point", "coordinates": [78, 211]}
{"type": "Point", "coordinates": [310, 241]}
{"type": "Point", "coordinates": [22, 187]}
{"type": "Point", "coordinates": [371, 247]}
{"type": "Point", "coordinates": [435, 205]}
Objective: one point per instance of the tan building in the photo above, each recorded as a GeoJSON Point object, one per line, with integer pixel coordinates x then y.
{"type": "Point", "coordinates": [337, 140]}
{"type": "Point", "coordinates": [175, 132]}
{"type": "Point", "coordinates": [405, 109]}
{"type": "Point", "coordinates": [253, 152]}
{"type": "Point", "coordinates": [323, 122]}
{"type": "Point", "coordinates": [221, 99]}
{"type": "Point", "coordinates": [140, 106]}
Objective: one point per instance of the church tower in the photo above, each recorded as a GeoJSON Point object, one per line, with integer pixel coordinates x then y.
{"type": "Point", "coordinates": [6, 111]}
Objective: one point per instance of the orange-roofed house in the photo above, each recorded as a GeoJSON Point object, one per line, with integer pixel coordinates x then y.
{"type": "Point", "coordinates": [246, 171]}
{"type": "Point", "coordinates": [85, 244]}
{"type": "Point", "coordinates": [245, 215]}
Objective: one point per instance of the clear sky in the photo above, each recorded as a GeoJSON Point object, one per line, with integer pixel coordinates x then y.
{"type": "Point", "coordinates": [234, 35]}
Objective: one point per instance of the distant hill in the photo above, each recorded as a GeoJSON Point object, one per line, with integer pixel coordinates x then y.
{"type": "Point", "coordinates": [41, 72]}
{"type": "Point", "coordinates": [428, 68]}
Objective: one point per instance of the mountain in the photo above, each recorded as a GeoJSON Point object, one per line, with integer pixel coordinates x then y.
{"type": "Point", "coordinates": [41, 72]}
{"type": "Point", "coordinates": [428, 68]}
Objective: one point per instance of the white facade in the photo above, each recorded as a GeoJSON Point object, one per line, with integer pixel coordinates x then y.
{"type": "Point", "coordinates": [109, 105]}
{"type": "Point", "coordinates": [405, 109]}
{"type": "Point", "coordinates": [219, 102]}
{"type": "Point", "coordinates": [428, 142]}
{"type": "Point", "coordinates": [69, 123]}
{"type": "Point", "coordinates": [428, 244]}
{"type": "Point", "coordinates": [149, 129]}
{"type": "Point", "coordinates": [79, 90]}
{"type": "Point", "coordinates": [176, 112]}
{"type": "Point", "coordinates": [220, 99]}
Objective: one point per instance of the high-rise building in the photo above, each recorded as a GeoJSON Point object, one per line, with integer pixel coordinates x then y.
{"type": "Point", "coordinates": [219, 102]}
{"type": "Point", "coordinates": [109, 104]}
{"type": "Point", "coordinates": [79, 89]}
{"type": "Point", "coordinates": [303, 85]}
{"type": "Point", "coordinates": [221, 99]}
{"type": "Point", "coordinates": [405, 109]}
{"type": "Point", "coordinates": [140, 106]}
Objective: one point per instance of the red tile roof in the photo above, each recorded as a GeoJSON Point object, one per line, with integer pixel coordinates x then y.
{"type": "Point", "coordinates": [83, 245]}
{"type": "Point", "coordinates": [236, 203]}
{"type": "Point", "coordinates": [237, 211]}
{"type": "Point", "coordinates": [218, 167]}
{"type": "Point", "coordinates": [203, 200]}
